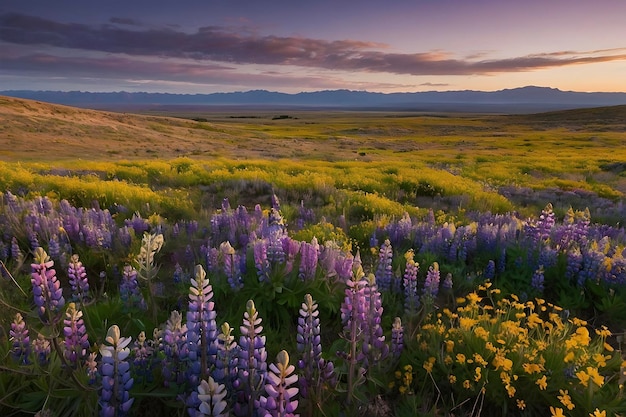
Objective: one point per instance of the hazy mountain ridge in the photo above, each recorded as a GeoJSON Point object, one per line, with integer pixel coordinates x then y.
{"type": "Point", "coordinates": [524, 99]}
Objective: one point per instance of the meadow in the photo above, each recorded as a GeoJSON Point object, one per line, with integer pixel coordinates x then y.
{"type": "Point", "coordinates": [255, 261]}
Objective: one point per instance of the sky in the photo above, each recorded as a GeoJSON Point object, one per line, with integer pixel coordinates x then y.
{"type": "Point", "coordinates": [207, 46]}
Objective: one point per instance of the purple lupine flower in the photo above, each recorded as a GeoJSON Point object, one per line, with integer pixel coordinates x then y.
{"type": "Point", "coordinates": [212, 259]}
{"type": "Point", "coordinates": [252, 363]}
{"type": "Point", "coordinates": [448, 283]}
{"type": "Point", "coordinates": [92, 368]}
{"type": "Point", "coordinates": [411, 298]}
{"type": "Point", "coordinates": [343, 266]}
{"type": "Point", "coordinates": [490, 270]}
{"type": "Point", "coordinates": [574, 264]}
{"type": "Point", "coordinates": [431, 285]}
{"type": "Point", "coordinates": [20, 341]}
{"type": "Point", "coordinates": [397, 338]}
{"type": "Point", "coordinates": [78, 280]}
{"type": "Point", "coordinates": [47, 291]}
{"type": "Point", "coordinates": [138, 224]}
{"type": "Point", "coordinates": [115, 398]}
{"type": "Point", "coordinates": [54, 248]}
{"type": "Point", "coordinates": [290, 248]}
{"type": "Point", "coordinates": [261, 262]}
{"type": "Point", "coordinates": [173, 344]}
{"type": "Point", "coordinates": [374, 347]}
{"type": "Point", "coordinates": [231, 266]}
{"type": "Point", "coordinates": [537, 281]}
{"type": "Point", "coordinates": [280, 396]}
{"type": "Point", "coordinates": [178, 273]}
{"type": "Point", "coordinates": [315, 371]}
{"type": "Point", "coordinates": [211, 396]}
{"type": "Point", "coordinates": [142, 353]}
{"type": "Point", "coordinates": [130, 293]}
{"type": "Point", "coordinates": [275, 232]}
{"type": "Point", "coordinates": [225, 371]}
{"type": "Point", "coordinates": [201, 328]}
{"type": "Point", "coordinates": [384, 272]}
{"type": "Point", "coordinates": [41, 349]}
{"type": "Point", "coordinates": [354, 320]}
{"type": "Point", "coordinates": [309, 254]}
{"type": "Point", "coordinates": [76, 339]}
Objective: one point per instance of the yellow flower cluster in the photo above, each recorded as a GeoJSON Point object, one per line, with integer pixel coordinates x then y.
{"type": "Point", "coordinates": [515, 350]}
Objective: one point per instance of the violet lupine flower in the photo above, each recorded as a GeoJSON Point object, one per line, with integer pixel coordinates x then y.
{"type": "Point", "coordinates": [116, 379]}
{"type": "Point", "coordinates": [212, 259]}
{"type": "Point", "coordinates": [211, 395]}
{"type": "Point", "coordinates": [92, 368]}
{"type": "Point", "coordinates": [252, 363]}
{"type": "Point", "coordinates": [41, 349]}
{"type": "Point", "coordinates": [431, 285]}
{"type": "Point", "coordinates": [574, 264]}
{"type": "Point", "coordinates": [275, 232]}
{"type": "Point", "coordinates": [78, 280]}
{"type": "Point", "coordinates": [279, 400]}
{"type": "Point", "coordinates": [143, 353]}
{"type": "Point", "coordinates": [231, 266]}
{"type": "Point", "coordinates": [397, 338]}
{"type": "Point", "coordinates": [374, 347]}
{"type": "Point", "coordinates": [312, 366]}
{"type": "Point", "coordinates": [201, 328]}
{"type": "Point", "coordinates": [384, 272]}
{"type": "Point", "coordinates": [354, 320]}
{"type": "Point", "coordinates": [173, 344]}
{"type": "Point", "coordinates": [261, 262]}
{"type": "Point", "coordinates": [20, 341]}
{"type": "Point", "coordinates": [448, 283]}
{"type": "Point", "coordinates": [130, 292]}
{"type": "Point", "coordinates": [54, 248]}
{"type": "Point", "coordinates": [490, 270]}
{"type": "Point", "coordinates": [76, 338]}
{"type": "Point", "coordinates": [47, 291]}
{"type": "Point", "coordinates": [537, 281]}
{"type": "Point", "coordinates": [225, 371]}
{"type": "Point", "coordinates": [411, 298]}
{"type": "Point", "coordinates": [343, 266]}
{"type": "Point", "coordinates": [291, 248]}
{"type": "Point", "coordinates": [309, 254]}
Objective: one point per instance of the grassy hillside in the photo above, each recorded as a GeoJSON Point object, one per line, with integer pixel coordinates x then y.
{"type": "Point", "coordinates": [376, 161]}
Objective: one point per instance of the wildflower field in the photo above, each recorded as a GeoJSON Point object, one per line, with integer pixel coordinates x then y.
{"type": "Point", "coordinates": [317, 265]}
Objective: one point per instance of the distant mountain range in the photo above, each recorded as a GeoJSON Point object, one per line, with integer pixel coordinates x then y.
{"type": "Point", "coordinates": [517, 100]}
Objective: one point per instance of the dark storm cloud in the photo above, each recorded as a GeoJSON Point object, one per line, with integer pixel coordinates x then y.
{"type": "Point", "coordinates": [219, 44]}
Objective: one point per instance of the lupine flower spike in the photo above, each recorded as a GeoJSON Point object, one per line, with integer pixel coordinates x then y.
{"type": "Point", "coordinates": [116, 380]}
{"type": "Point", "coordinates": [280, 399]}
{"type": "Point", "coordinates": [252, 362]}
{"type": "Point", "coordinates": [47, 291]}
{"type": "Point", "coordinates": [211, 395]}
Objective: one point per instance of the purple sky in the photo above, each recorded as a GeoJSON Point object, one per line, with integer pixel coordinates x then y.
{"type": "Point", "coordinates": [204, 46]}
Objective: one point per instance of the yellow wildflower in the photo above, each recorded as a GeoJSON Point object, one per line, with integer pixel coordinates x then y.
{"type": "Point", "coordinates": [478, 375]}
{"type": "Point", "coordinates": [452, 379]}
{"type": "Point", "coordinates": [479, 359]}
{"type": "Point", "coordinates": [521, 404]}
{"type": "Point", "coordinates": [598, 413]}
{"type": "Point", "coordinates": [532, 368]}
{"type": "Point", "coordinates": [449, 345]}
{"type": "Point", "coordinates": [556, 412]}
{"type": "Point", "coordinates": [467, 384]}
{"type": "Point", "coordinates": [534, 320]}
{"type": "Point", "coordinates": [603, 332]}
{"type": "Point", "coordinates": [565, 399]}
{"type": "Point", "coordinates": [428, 365]}
{"type": "Point", "coordinates": [542, 382]}
{"type": "Point", "coordinates": [569, 357]}
{"type": "Point", "coordinates": [460, 358]}
{"type": "Point", "coordinates": [510, 389]}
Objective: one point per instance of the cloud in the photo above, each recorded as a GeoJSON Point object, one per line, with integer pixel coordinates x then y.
{"type": "Point", "coordinates": [227, 45]}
